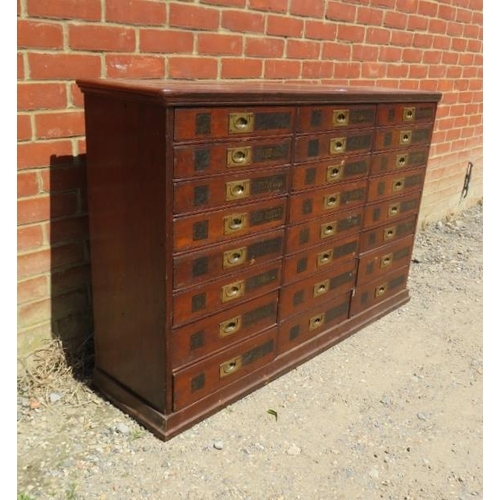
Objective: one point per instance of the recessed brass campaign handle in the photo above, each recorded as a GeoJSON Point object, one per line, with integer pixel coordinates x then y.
{"type": "Point", "coordinates": [401, 161]}
{"type": "Point", "coordinates": [233, 291]}
{"type": "Point", "coordinates": [380, 290]}
{"type": "Point", "coordinates": [398, 184]}
{"type": "Point", "coordinates": [409, 114]}
{"type": "Point", "coordinates": [324, 257]}
{"type": "Point", "coordinates": [389, 233]}
{"type": "Point", "coordinates": [239, 157]}
{"type": "Point", "coordinates": [338, 145]}
{"type": "Point", "coordinates": [235, 190]}
{"type": "Point", "coordinates": [230, 366]}
{"type": "Point", "coordinates": [321, 288]}
{"type": "Point", "coordinates": [241, 123]}
{"type": "Point", "coordinates": [405, 137]}
{"type": "Point", "coordinates": [235, 257]}
{"type": "Point", "coordinates": [334, 172]}
{"type": "Point", "coordinates": [230, 326]}
{"type": "Point", "coordinates": [316, 321]}
{"type": "Point", "coordinates": [235, 222]}
{"type": "Point", "coordinates": [328, 229]}
{"type": "Point", "coordinates": [331, 200]}
{"type": "Point", "coordinates": [394, 209]}
{"type": "Point", "coordinates": [386, 260]}
{"type": "Point", "coordinates": [340, 117]}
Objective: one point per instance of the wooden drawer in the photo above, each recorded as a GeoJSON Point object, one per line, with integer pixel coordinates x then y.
{"type": "Point", "coordinates": [201, 194]}
{"type": "Point", "coordinates": [196, 160]}
{"type": "Point", "coordinates": [378, 290]}
{"type": "Point", "coordinates": [329, 172]}
{"type": "Point", "coordinates": [319, 258]}
{"type": "Point", "coordinates": [319, 202]}
{"type": "Point", "coordinates": [318, 118]}
{"type": "Point", "coordinates": [395, 184]}
{"type": "Point", "coordinates": [382, 235]}
{"type": "Point", "coordinates": [221, 294]}
{"type": "Point", "coordinates": [311, 323]}
{"type": "Point", "coordinates": [190, 343]}
{"type": "Point", "coordinates": [374, 264]}
{"type": "Point", "coordinates": [234, 257]}
{"type": "Point", "coordinates": [333, 145]}
{"type": "Point", "coordinates": [211, 374]}
{"type": "Point", "coordinates": [220, 225]}
{"type": "Point", "coordinates": [204, 123]}
{"type": "Point", "coordinates": [324, 229]}
{"type": "Point", "coordinates": [396, 160]}
{"type": "Point", "coordinates": [404, 113]}
{"type": "Point", "coordinates": [391, 138]}
{"type": "Point", "coordinates": [390, 210]}
{"type": "Point", "coordinates": [316, 289]}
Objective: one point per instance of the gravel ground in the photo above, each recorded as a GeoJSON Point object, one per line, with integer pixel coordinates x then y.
{"type": "Point", "coordinates": [393, 412]}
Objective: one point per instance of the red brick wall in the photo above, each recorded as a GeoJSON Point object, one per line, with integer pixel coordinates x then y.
{"type": "Point", "coordinates": [415, 44]}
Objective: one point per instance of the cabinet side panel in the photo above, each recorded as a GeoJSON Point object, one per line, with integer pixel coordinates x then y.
{"type": "Point", "coordinates": [126, 157]}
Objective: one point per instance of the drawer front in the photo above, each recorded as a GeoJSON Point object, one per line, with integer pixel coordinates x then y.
{"type": "Point", "coordinates": [322, 230]}
{"type": "Point", "coordinates": [383, 235]}
{"type": "Point", "coordinates": [311, 323]}
{"type": "Point", "coordinates": [320, 258]}
{"type": "Point", "coordinates": [384, 260]}
{"type": "Point", "coordinates": [333, 145]}
{"type": "Point", "coordinates": [329, 172]}
{"type": "Point", "coordinates": [209, 335]}
{"type": "Point", "coordinates": [378, 290]}
{"type": "Point", "coordinates": [391, 138]}
{"type": "Point", "coordinates": [207, 123]}
{"type": "Point", "coordinates": [308, 293]}
{"type": "Point", "coordinates": [404, 113]}
{"type": "Point", "coordinates": [318, 118]}
{"type": "Point", "coordinates": [211, 374]}
{"type": "Point", "coordinates": [395, 184]}
{"type": "Point", "coordinates": [201, 301]}
{"type": "Point", "coordinates": [229, 157]}
{"type": "Point", "coordinates": [327, 200]}
{"type": "Point", "coordinates": [391, 210]}
{"type": "Point", "coordinates": [235, 257]}
{"type": "Point", "coordinates": [396, 160]}
{"type": "Point", "coordinates": [202, 194]}
{"type": "Point", "coordinates": [220, 225]}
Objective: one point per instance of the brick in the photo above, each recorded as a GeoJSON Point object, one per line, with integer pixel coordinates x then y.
{"type": "Point", "coordinates": [29, 237]}
{"type": "Point", "coordinates": [69, 229]}
{"type": "Point", "coordinates": [350, 33]}
{"type": "Point", "coordinates": [474, 46]}
{"type": "Point", "coordinates": [422, 40]}
{"type": "Point", "coordinates": [417, 71]}
{"type": "Point", "coordinates": [472, 31]}
{"type": "Point", "coordinates": [285, 26]}
{"type": "Point", "coordinates": [390, 54]}
{"type": "Point", "coordinates": [395, 20]}
{"type": "Point", "coordinates": [427, 8]}
{"type": "Point", "coordinates": [418, 23]}
{"type": "Point", "coordinates": [365, 53]}
{"type": "Point", "coordinates": [57, 179]}
{"type": "Point", "coordinates": [70, 279]}
{"type": "Point", "coordinates": [121, 66]}
{"type": "Point", "coordinates": [385, 4]}
{"type": "Point", "coordinates": [269, 5]}
{"type": "Point", "coordinates": [32, 289]}
{"type": "Point", "coordinates": [464, 16]}
{"type": "Point", "coordinates": [243, 22]}
{"type": "Point", "coordinates": [193, 17]}
{"type": "Point", "coordinates": [436, 71]}
{"type": "Point", "coordinates": [398, 71]}
{"type": "Point", "coordinates": [76, 94]}
{"type": "Point", "coordinates": [281, 69]}
{"type": "Point", "coordinates": [477, 18]}
{"type": "Point", "coordinates": [454, 29]}
{"type": "Point", "coordinates": [450, 58]}
{"type": "Point", "coordinates": [163, 41]}
{"type": "Point", "coordinates": [432, 57]}
{"type": "Point", "coordinates": [369, 16]}
{"type": "Point", "coordinates": [226, 3]}
{"type": "Point", "coordinates": [378, 36]}
{"type": "Point", "coordinates": [412, 55]}
{"type": "Point", "coordinates": [24, 132]}
{"type": "Point", "coordinates": [466, 59]}
{"type": "Point", "coordinates": [89, 10]}
{"type": "Point", "coordinates": [39, 35]}
{"type": "Point", "coordinates": [373, 70]}
{"type": "Point", "coordinates": [41, 208]}
{"type": "Point", "coordinates": [320, 30]}
{"type": "Point", "coordinates": [63, 66]}
{"type": "Point", "coordinates": [265, 47]}
{"type": "Point", "coordinates": [427, 84]}
{"type": "Point", "coordinates": [437, 26]}
{"type": "Point", "coordinates": [42, 153]}
{"type": "Point", "coordinates": [219, 44]}
{"type": "Point", "coordinates": [27, 184]}
{"type": "Point", "coordinates": [401, 38]}
{"type": "Point", "coordinates": [302, 49]}
{"type": "Point", "coordinates": [20, 66]}
{"type": "Point", "coordinates": [441, 42]}
{"type": "Point", "coordinates": [459, 44]}
{"type": "Point", "coordinates": [101, 38]}
{"type": "Point", "coordinates": [350, 70]}
{"type": "Point", "coordinates": [340, 11]}
{"type": "Point", "coordinates": [447, 12]}
{"type": "Point", "coordinates": [33, 313]}
{"type": "Point", "coordinates": [317, 69]}
{"type": "Point", "coordinates": [307, 9]}
{"type": "Point", "coordinates": [336, 51]}
{"type": "Point", "coordinates": [241, 68]}
{"type": "Point", "coordinates": [37, 96]}
{"type": "Point", "coordinates": [192, 67]}
{"type": "Point", "coordinates": [138, 12]}
{"type": "Point", "coordinates": [59, 124]}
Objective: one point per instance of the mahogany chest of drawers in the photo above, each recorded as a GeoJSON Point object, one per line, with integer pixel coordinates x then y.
{"type": "Point", "coordinates": [237, 230]}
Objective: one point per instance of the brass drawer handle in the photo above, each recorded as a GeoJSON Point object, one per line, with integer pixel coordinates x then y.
{"type": "Point", "coordinates": [239, 157]}
{"type": "Point", "coordinates": [340, 117]}
{"type": "Point", "coordinates": [328, 229]}
{"type": "Point", "coordinates": [235, 222]}
{"type": "Point", "coordinates": [394, 209]}
{"type": "Point", "coordinates": [321, 288]}
{"type": "Point", "coordinates": [405, 137]}
{"type": "Point", "coordinates": [233, 291]}
{"type": "Point", "coordinates": [334, 172]}
{"type": "Point", "coordinates": [230, 367]}
{"type": "Point", "coordinates": [241, 123]}
{"type": "Point", "coordinates": [386, 260]}
{"type": "Point", "coordinates": [380, 290]}
{"type": "Point", "coordinates": [331, 201]}
{"type": "Point", "coordinates": [316, 321]}
{"type": "Point", "coordinates": [409, 114]}
{"type": "Point", "coordinates": [230, 326]}
{"type": "Point", "coordinates": [398, 184]}
{"type": "Point", "coordinates": [338, 145]}
{"type": "Point", "coordinates": [236, 257]}
{"type": "Point", "coordinates": [324, 257]}
{"type": "Point", "coordinates": [401, 161]}
{"type": "Point", "coordinates": [236, 190]}
{"type": "Point", "coordinates": [389, 233]}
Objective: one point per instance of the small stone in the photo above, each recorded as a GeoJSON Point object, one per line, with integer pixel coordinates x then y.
{"type": "Point", "coordinates": [294, 450]}
{"type": "Point", "coordinates": [373, 473]}
{"type": "Point", "coordinates": [422, 416]}
{"type": "Point", "coordinates": [219, 445]}
{"type": "Point", "coordinates": [54, 397]}
{"type": "Point", "coordinates": [121, 428]}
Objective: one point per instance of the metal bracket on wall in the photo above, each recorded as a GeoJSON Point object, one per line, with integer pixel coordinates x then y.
{"type": "Point", "coordinates": [468, 176]}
